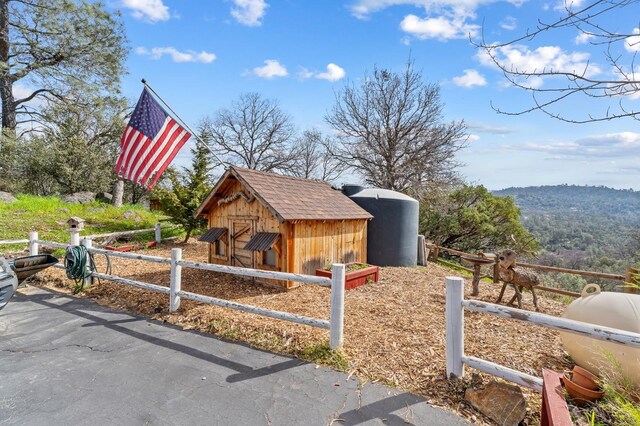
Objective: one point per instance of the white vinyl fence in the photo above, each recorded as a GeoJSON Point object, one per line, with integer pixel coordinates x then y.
{"type": "Point", "coordinates": [456, 359]}
{"type": "Point", "coordinates": [335, 325]}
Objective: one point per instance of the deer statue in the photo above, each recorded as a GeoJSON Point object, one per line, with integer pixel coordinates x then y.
{"type": "Point", "coordinates": [519, 278]}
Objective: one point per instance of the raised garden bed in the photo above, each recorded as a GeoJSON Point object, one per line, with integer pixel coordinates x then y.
{"type": "Point", "coordinates": [356, 274]}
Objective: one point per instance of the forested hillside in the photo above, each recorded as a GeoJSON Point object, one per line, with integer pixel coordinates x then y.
{"type": "Point", "coordinates": [581, 227]}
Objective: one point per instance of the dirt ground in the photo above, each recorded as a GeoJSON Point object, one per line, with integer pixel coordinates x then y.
{"type": "Point", "coordinates": [394, 329]}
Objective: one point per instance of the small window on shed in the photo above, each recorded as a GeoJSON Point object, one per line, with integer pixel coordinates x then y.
{"type": "Point", "coordinates": [269, 257]}
{"type": "Point", "coordinates": [219, 248]}
{"type": "Point", "coordinates": [216, 237]}
{"type": "Point", "coordinates": [265, 242]}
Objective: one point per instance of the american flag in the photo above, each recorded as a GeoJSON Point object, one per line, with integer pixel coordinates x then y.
{"type": "Point", "coordinates": [150, 142]}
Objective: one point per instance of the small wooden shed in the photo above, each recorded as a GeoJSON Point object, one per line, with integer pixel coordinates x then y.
{"type": "Point", "coordinates": [281, 223]}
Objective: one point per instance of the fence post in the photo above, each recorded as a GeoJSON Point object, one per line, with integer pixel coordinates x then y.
{"type": "Point", "coordinates": [175, 280]}
{"type": "Point", "coordinates": [336, 333]}
{"type": "Point", "coordinates": [75, 237]}
{"type": "Point", "coordinates": [88, 281]}
{"type": "Point", "coordinates": [33, 246]}
{"type": "Point", "coordinates": [454, 313]}
{"type": "Point", "coordinates": [158, 234]}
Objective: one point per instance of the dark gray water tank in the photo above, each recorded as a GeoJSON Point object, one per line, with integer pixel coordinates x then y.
{"type": "Point", "coordinates": [392, 234]}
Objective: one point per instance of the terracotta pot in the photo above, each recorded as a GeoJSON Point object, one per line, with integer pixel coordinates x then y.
{"type": "Point", "coordinates": [584, 378]}
{"type": "Point", "coordinates": [579, 394]}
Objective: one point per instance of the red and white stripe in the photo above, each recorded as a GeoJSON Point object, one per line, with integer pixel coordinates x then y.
{"type": "Point", "coordinates": [143, 160]}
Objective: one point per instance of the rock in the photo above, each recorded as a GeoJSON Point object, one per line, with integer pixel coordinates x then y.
{"type": "Point", "coordinates": [104, 197]}
{"type": "Point", "coordinates": [84, 197]}
{"type": "Point", "coordinates": [6, 197]}
{"type": "Point", "coordinates": [501, 402]}
{"type": "Point", "coordinates": [131, 215]}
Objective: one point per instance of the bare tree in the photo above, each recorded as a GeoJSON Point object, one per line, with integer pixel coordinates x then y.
{"type": "Point", "coordinates": [392, 131]}
{"type": "Point", "coordinates": [614, 81]}
{"type": "Point", "coordinates": [312, 158]}
{"type": "Point", "coordinates": [253, 133]}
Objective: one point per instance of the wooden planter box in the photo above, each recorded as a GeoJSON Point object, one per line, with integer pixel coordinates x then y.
{"type": "Point", "coordinates": [131, 247]}
{"type": "Point", "coordinates": [554, 411]}
{"type": "Point", "coordinates": [355, 278]}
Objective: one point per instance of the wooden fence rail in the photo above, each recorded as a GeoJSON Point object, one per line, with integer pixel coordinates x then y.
{"type": "Point", "coordinates": [434, 249]}
{"type": "Point", "coordinates": [456, 359]}
{"type": "Point", "coordinates": [335, 325]}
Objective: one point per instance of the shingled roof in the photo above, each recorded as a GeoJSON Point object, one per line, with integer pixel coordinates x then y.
{"type": "Point", "coordinates": [289, 198]}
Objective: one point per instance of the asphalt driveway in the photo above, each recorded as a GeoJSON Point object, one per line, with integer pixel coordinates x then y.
{"type": "Point", "coordinates": [68, 361]}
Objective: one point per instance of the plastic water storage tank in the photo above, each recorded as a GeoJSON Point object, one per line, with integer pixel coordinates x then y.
{"type": "Point", "coordinates": [609, 309]}
{"type": "Point", "coordinates": [392, 234]}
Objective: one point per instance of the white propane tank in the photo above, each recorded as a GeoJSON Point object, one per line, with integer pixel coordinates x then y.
{"type": "Point", "coordinates": [609, 309]}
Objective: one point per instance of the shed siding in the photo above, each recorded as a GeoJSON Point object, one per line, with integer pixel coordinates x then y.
{"type": "Point", "coordinates": [318, 243]}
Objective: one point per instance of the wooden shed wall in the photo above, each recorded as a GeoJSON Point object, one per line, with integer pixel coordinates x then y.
{"type": "Point", "coordinates": [223, 216]}
{"type": "Point", "coordinates": [317, 243]}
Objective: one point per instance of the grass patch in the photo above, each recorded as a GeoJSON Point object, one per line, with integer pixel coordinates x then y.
{"type": "Point", "coordinates": [322, 354]}
{"type": "Point", "coordinates": [48, 216]}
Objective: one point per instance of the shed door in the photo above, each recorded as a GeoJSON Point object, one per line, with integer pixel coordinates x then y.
{"type": "Point", "coordinates": [241, 232]}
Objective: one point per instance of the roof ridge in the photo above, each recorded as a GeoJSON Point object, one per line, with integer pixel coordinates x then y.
{"type": "Point", "coordinates": [278, 175]}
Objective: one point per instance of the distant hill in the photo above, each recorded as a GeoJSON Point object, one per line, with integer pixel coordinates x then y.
{"type": "Point", "coordinates": [581, 227]}
{"type": "Point", "coordinates": [572, 198]}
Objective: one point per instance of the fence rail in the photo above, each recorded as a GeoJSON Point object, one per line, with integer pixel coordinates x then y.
{"type": "Point", "coordinates": [434, 250]}
{"type": "Point", "coordinates": [337, 283]}
{"type": "Point", "coordinates": [456, 359]}
{"type": "Point", "coordinates": [9, 242]}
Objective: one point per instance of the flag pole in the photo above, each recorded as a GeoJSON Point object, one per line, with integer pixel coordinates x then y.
{"type": "Point", "coordinates": [184, 123]}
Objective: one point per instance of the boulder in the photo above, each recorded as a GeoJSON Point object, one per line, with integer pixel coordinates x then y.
{"type": "Point", "coordinates": [84, 197]}
{"type": "Point", "coordinates": [104, 197]}
{"type": "Point", "coordinates": [131, 215]}
{"type": "Point", "coordinates": [501, 402]}
{"type": "Point", "coordinates": [6, 197]}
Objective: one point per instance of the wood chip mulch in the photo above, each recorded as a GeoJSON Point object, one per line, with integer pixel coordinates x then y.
{"type": "Point", "coordinates": [394, 329]}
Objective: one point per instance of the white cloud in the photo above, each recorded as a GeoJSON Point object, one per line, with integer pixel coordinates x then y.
{"type": "Point", "coordinates": [147, 10]}
{"type": "Point", "coordinates": [608, 145]}
{"type": "Point", "coordinates": [362, 9]}
{"type": "Point", "coordinates": [304, 73]}
{"type": "Point", "coordinates": [249, 12]}
{"type": "Point", "coordinates": [565, 5]}
{"type": "Point", "coordinates": [473, 138]}
{"type": "Point", "coordinates": [470, 78]}
{"type": "Point", "coordinates": [441, 27]}
{"type": "Point", "coordinates": [487, 128]}
{"type": "Point", "coordinates": [271, 69]}
{"type": "Point", "coordinates": [509, 23]}
{"type": "Point", "coordinates": [632, 43]}
{"type": "Point", "coordinates": [583, 38]}
{"type": "Point", "coordinates": [543, 59]}
{"type": "Point", "coordinates": [333, 73]}
{"type": "Point", "coordinates": [176, 55]}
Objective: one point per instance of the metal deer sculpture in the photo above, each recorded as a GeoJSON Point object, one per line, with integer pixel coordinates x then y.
{"type": "Point", "coordinates": [518, 277]}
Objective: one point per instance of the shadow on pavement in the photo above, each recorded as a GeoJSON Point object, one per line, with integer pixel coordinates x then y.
{"type": "Point", "coordinates": [79, 307]}
{"type": "Point", "coordinates": [384, 410]}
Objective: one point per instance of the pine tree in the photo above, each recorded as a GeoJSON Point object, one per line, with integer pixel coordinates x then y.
{"type": "Point", "coordinates": [187, 191]}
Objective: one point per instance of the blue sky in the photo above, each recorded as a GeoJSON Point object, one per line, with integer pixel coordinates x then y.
{"type": "Point", "coordinates": [200, 55]}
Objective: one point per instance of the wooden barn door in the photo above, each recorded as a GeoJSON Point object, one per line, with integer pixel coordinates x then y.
{"type": "Point", "coordinates": [241, 232]}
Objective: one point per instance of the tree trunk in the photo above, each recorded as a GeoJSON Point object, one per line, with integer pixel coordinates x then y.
{"type": "Point", "coordinates": [118, 193]}
{"type": "Point", "coordinates": [186, 238]}
{"type": "Point", "coordinates": [6, 81]}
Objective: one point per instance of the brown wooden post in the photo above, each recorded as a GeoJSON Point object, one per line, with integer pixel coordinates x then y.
{"type": "Point", "coordinates": [476, 279]}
